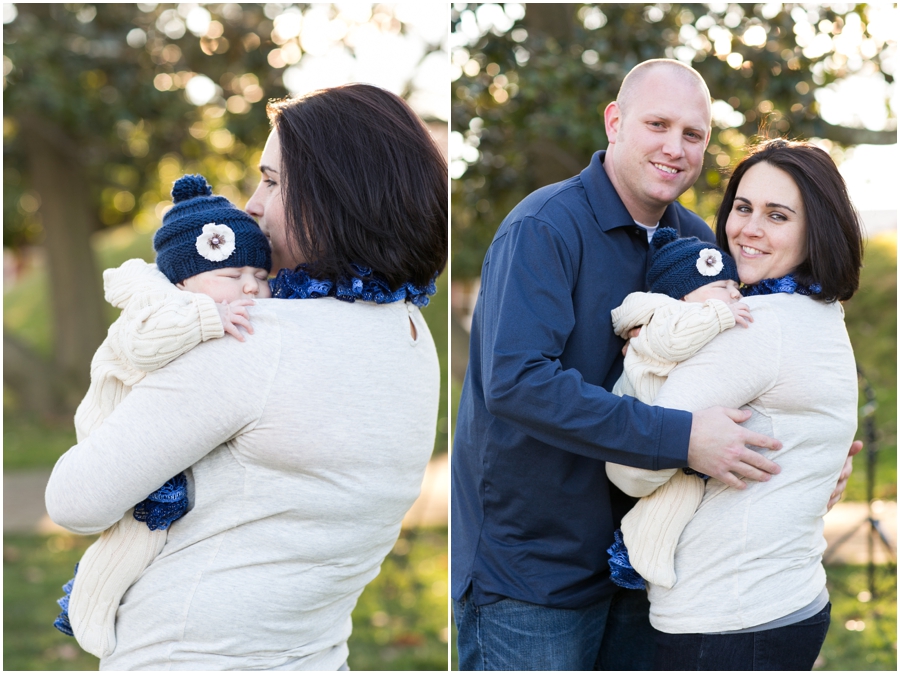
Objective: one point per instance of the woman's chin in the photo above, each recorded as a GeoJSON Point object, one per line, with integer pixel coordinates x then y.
{"type": "Point", "coordinates": [750, 274]}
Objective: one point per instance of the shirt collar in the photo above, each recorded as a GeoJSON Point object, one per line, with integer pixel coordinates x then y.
{"type": "Point", "coordinates": [651, 230]}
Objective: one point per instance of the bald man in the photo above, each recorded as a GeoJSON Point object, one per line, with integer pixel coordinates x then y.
{"type": "Point", "coordinates": [532, 510]}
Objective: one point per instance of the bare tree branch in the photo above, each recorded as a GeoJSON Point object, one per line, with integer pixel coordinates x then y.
{"type": "Point", "coordinates": [845, 135]}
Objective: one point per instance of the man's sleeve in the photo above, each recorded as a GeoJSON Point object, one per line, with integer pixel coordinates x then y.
{"type": "Point", "coordinates": [530, 280]}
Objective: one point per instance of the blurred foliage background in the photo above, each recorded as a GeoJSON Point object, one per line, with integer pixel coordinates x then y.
{"type": "Point", "coordinates": [529, 84]}
{"type": "Point", "coordinates": [104, 107]}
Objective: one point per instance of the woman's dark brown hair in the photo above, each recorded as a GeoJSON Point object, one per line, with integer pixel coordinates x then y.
{"type": "Point", "coordinates": [363, 183]}
{"type": "Point", "coordinates": [833, 232]}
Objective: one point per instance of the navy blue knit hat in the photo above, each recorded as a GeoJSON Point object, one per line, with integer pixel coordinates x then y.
{"type": "Point", "coordinates": [202, 232]}
{"type": "Point", "coordinates": [680, 266]}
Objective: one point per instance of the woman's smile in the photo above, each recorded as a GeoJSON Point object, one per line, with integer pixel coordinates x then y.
{"type": "Point", "coordinates": [751, 251]}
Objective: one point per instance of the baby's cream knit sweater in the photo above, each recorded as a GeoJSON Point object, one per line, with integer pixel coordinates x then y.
{"type": "Point", "coordinates": [671, 331]}
{"type": "Point", "coordinates": [158, 323]}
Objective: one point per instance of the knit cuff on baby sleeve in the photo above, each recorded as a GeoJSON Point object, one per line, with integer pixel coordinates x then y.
{"type": "Point", "coordinates": [726, 318]}
{"type": "Point", "coordinates": [210, 321]}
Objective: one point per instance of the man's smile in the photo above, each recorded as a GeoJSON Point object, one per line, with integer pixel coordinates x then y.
{"type": "Point", "coordinates": [666, 169]}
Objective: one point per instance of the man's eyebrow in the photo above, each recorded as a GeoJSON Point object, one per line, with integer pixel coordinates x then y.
{"type": "Point", "coordinates": [266, 169]}
{"type": "Point", "coordinates": [771, 204]}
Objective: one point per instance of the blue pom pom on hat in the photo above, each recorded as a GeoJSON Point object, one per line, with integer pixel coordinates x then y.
{"type": "Point", "coordinates": [190, 186]}
{"type": "Point", "coordinates": [202, 232]}
{"type": "Point", "coordinates": [679, 266]}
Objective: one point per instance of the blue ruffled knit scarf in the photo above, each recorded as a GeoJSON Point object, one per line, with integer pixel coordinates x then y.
{"type": "Point", "coordinates": [621, 571]}
{"type": "Point", "coordinates": [367, 286]}
{"type": "Point", "coordinates": [785, 284]}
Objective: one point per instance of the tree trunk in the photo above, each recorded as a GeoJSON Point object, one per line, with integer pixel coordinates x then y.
{"type": "Point", "coordinates": [76, 295]}
{"type": "Point", "coordinates": [554, 20]}
{"type": "Point", "coordinates": [549, 162]}
{"type": "Point", "coordinates": [33, 379]}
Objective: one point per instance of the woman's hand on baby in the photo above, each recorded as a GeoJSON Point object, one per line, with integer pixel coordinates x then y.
{"type": "Point", "coordinates": [855, 449]}
{"type": "Point", "coordinates": [235, 314]}
{"type": "Point", "coordinates": [741, 314]}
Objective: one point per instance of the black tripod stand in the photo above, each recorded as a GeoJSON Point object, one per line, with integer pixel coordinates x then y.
{"type": "Point", "coordinates": [876, 531]}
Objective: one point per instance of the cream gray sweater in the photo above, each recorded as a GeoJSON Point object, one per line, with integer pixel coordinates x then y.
{"type": "Point", "coordinates": [308, 444]}
{"type": "Point", "coordinates": [750, 556]}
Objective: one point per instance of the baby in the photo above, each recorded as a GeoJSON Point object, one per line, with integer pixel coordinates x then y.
{"type": "Point", "coordinates": [212, 260]}
{"type": "Point", "coordinates": [693, 297]}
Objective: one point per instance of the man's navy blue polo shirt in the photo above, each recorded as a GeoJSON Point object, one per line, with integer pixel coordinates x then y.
{"type": "Point", "coordinates": [532, 510]}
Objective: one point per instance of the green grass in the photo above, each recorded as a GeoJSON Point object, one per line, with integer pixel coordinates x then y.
{"type": "Point", "coordinates": [32, 443]}
{"type": "Point", "coordinates": [34, 569]}
{"type": "Point", "coordinates": [863, 634]}
{"type": "Point", "coordinates": [400, 622]}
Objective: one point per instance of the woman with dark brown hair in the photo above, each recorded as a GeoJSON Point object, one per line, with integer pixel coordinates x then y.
{"type": "Point", "coordinates": [350, 177]}
{"type": "Point", "coordinates": [750, 586]}
{"type": "Point", "coordinates": [307, 443]}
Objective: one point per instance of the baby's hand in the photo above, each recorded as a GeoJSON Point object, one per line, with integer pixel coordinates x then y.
{"type": "Point", "coordinates": [634, 332]}
{"type": "Point", "coordinates": [235, 314]}
{"type": "Point", "coordinates": [741, 313]}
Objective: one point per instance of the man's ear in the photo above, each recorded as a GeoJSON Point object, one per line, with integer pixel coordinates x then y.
{"type": "Point", "coordinates": [612, 116]}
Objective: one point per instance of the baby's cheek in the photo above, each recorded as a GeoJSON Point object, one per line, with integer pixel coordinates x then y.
{"type": "Point", "coordinates": [264, 291]}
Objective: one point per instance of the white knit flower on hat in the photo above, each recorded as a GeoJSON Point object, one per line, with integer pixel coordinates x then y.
{"type": "Point", "coordinates": [216, 242]}
{"type": "Point", "coordinates": [710, 262]}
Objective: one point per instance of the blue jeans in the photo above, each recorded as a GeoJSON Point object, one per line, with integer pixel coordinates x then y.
{"type": "Point", "coordinates": [612, 634]}
{"type": "Point", "coordinates": [792, 647]}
